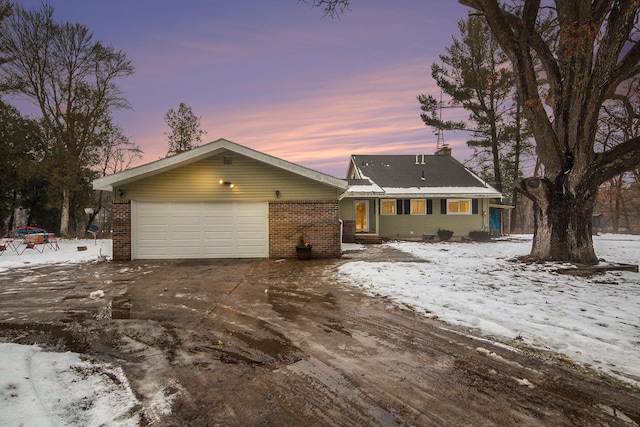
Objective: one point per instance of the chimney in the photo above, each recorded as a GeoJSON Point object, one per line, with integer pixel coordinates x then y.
{"type": "Point", "coordinates": [443, 151]}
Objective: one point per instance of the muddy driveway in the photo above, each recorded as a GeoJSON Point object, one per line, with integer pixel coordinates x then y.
{"type": "Point", "coordinates": [284, 343]}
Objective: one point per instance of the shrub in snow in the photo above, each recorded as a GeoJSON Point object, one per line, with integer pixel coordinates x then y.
{"type": "Point", "coordinates": [444, 234]}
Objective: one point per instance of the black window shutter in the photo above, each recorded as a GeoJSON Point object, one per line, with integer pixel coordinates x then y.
{"type": "Point", "coordinates": [398, 207]}
{"type": "Point", "coordinates": [429, 206]}
{"type": "Point", "coordinates": [443, 206]}
{"type": "Point", "coordinates": [407, 207]}
{"type": "Point", "coordinates": [474, 206]}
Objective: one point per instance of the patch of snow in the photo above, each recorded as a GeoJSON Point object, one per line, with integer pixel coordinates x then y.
{"type": "Point", "coordinates": [97, 294]}
{"type": "Point", "coordinates": [352, 247]}
{"type": "Point", "coordinates": [41, 388]}
{"type": "Point", "coordinates": [592, 320]}
{"type": "Point", "coordinates": [67, 254]}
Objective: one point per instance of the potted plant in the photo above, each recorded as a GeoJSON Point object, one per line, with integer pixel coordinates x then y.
{"type": "Point", "coordinates": [303, 248]}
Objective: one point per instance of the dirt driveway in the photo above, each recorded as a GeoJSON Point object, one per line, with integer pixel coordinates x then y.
{"type": "Point", "coordinates": [283, 343]}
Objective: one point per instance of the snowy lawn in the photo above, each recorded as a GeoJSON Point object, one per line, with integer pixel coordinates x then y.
{"type": "Point", "coordinates": [592, 320]}
{"type": "Point", "coordinates": [68, 253]}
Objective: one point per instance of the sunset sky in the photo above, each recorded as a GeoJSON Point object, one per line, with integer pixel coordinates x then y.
{"type": "Point", "coordinates": [276, 75]}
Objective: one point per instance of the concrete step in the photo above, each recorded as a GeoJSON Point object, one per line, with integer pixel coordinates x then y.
{"type": "Point", "coordinates": [368, 239]}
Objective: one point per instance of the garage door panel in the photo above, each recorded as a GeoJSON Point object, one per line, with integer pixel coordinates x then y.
{"type": "Point", "coordinates": [244, 237]}
{"type": "Point", "coordinates": [158, 251]}
{"type": "Point", "coordinates": [226, 221]}
{"type": "Point", "coordinates": [200, 230]}
{"type": "Point", "coordinates": [159, 227]}
{"type": "Point", "coordinates": [249, 221]}
{"type": "Point", "coordinates": [219, 235]}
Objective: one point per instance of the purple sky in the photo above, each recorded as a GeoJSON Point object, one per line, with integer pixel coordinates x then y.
{"type": "Point", "coordinates": [277, 76]}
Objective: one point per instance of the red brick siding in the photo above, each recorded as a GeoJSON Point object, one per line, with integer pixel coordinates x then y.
{"type": "Point", "coordinates": [316, 220]}
{"type": "Point", "coordinates": [121, 224]}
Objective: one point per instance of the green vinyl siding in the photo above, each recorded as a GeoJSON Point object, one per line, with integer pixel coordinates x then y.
{"type": "Point", "coordinates": [407, 226]}
{"type": "Point", "coordinates": [347, 209]}
{"type": "Point", "coordinates": [253, 180]}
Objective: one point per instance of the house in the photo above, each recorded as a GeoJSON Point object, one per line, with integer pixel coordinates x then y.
{"type": "Point", "coordinates": [222, 200]}
{"type": "Point", "coordinates": [411, 196]}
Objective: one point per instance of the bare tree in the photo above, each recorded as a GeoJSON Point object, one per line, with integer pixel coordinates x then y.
{"type": "Point", "coordinates": [114, 154]}
{"type": "Point", "coordinates": [71, 78]}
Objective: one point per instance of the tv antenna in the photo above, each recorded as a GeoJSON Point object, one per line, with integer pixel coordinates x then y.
{"type": "Point", "coordinates": [440, 132]}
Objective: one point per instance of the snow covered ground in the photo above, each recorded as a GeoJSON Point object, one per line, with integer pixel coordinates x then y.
{"type": "Point", "coordinates": [68, 253]}
{"type": "Point", "coordinates": [39, 388]}
{"type": "Point", "coordinates": [592, 320]}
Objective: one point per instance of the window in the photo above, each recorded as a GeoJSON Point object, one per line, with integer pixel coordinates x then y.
{"type": "Point", "coordinates": [227, 160]}
{"type": "Point", "coordinates": [458, 206]}
{"type": "Point", "coordinates": [388, 207]}
{"type": "Point", "coordinates": [418, 207]}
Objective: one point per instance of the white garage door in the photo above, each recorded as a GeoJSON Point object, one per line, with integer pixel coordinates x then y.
{"type": "Point", "coordinates": [199, 230]}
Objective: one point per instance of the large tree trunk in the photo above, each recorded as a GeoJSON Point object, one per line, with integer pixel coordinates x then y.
{"type": "Point", "coordinates": [562, 218]}
{"type": "Point", "coordinates": [64, 213]}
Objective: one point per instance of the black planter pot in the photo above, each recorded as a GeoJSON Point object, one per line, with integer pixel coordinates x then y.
{"type": "Point", "coordinates": [304, 253]}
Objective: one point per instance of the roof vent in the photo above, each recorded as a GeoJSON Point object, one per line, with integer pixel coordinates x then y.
{"type": "Point", "coordinates": [422, 162]}
{"type": "Point", "coordinates": [417, 162]}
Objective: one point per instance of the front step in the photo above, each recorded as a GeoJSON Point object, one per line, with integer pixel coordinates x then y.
{"type": "Point", "coordinates": [367, 239]}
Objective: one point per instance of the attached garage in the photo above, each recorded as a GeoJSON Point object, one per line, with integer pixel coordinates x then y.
{"type": "Point", "coordinates": [222, 200]}
{"type": "Point", "coordinates": [163, 230]}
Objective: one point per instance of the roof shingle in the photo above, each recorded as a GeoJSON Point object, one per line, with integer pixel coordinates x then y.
{"type": "Point", "coordinates": [410, 171]}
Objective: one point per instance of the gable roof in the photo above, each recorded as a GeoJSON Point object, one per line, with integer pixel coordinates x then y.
{"type": "Point", "coordinates": [109, 182]}
{"type": "Point", "coordinates": [414, 175]}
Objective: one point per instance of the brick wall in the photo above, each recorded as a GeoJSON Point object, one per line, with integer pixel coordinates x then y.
{"type": "Point", "coordinates": [121, 225]}
{"type": "Point", "coordinates": [316, 220]}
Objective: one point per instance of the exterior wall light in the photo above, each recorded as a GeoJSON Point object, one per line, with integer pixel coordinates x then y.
{"type": "Point", "coordinates": [227, 183]}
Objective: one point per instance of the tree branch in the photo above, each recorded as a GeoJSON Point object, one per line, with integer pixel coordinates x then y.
{"type": "Point", "coordinates": [331, 8]}
{"type": "Point", "coordinates": [609, 70]}
{"type": "Point", "coordinates": [621, 158]}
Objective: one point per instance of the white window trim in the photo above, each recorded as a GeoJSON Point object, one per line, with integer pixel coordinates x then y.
{"type": "Point", "coordinates": [395, 206]}
{"type": "Point", "coordinates": [424, 201]}
{"type": "Point", "coordinates": [460, 213]}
